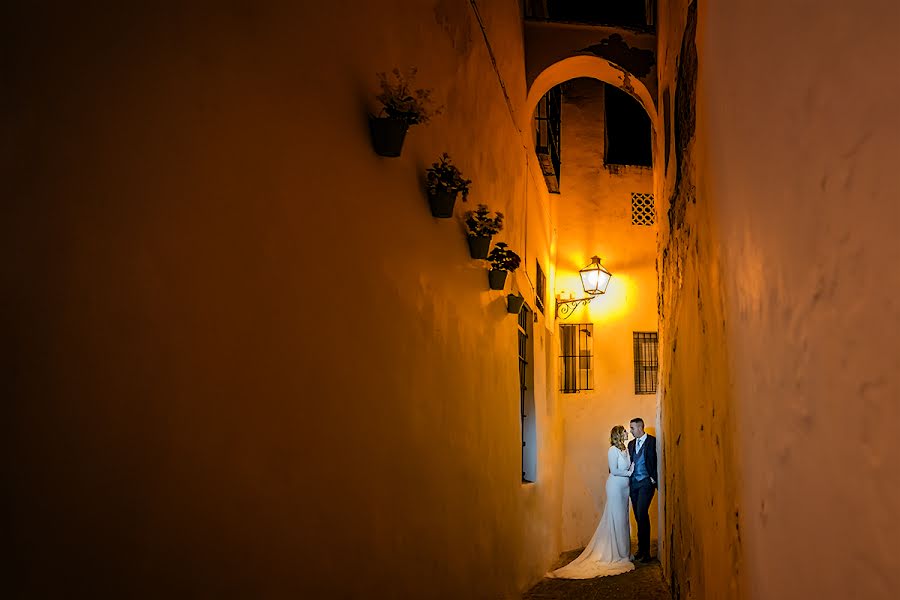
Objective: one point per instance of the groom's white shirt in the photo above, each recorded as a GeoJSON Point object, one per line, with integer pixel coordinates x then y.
{"type": "Point", "coordinates": [639, 444]}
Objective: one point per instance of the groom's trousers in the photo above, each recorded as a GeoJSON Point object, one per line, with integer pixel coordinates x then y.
{"type": "Point", "coordinates": [641, 496]}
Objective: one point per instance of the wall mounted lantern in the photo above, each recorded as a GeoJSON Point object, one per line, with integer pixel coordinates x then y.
{"type": "Point", "coordinates": [594, 279]}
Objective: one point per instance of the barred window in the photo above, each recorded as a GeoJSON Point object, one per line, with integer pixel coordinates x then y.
{"type": "Point", "coordinates": [576, 359]}
{"type": "Point", "coordinates": [646, 365]}
{"type": "Point", "coordinates": [540, 287]}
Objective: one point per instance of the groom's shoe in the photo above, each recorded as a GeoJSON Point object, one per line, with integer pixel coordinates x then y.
{"type": "Point", "coordinates": [646, 558]}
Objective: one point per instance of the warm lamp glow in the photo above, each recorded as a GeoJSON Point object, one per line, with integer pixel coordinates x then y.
{"type": "Point", "coordinates": [615, 304]}
{"type": "Point", "coordinates": [594, 277]}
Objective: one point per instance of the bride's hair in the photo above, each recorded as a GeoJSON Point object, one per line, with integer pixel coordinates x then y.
{"type": "Point", "coordinates": [617, 437]}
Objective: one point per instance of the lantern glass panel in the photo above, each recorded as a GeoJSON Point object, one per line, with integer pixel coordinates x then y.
{"type": "Point", "coordinates": [594, 279]}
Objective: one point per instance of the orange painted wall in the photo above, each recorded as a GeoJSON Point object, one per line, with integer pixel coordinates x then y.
{"type": "Point", "coordinates": [245, 359]}
{"type": "Point", "coordinates": [779, 287]}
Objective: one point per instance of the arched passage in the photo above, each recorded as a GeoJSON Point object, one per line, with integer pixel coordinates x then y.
{"type": "Point", "coordinates": [595, 68]}
{"type": "Point", "coordinates": [629, 309]}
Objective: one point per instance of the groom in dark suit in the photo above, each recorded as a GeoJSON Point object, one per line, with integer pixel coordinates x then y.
{"type": "Point", "coordinates": [643, 483]}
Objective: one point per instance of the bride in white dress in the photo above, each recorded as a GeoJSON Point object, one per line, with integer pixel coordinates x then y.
{"type": "Point", "coordinates": [609, 551]}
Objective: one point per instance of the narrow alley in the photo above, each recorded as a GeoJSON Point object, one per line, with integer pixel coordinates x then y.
{"type": "Point", "coordinates": [352, 299]}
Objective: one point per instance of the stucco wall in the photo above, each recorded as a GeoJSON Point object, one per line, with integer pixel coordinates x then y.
{"type": "Point", "coordinates": [246, 361]}
{"type": "Point", "coordinates": [702, 549]}
{"type": "Point", "coordinates": [778, 287]}
{"type": "Point", "coordinates": [811, 255]}
{"type": "Point", "coordinates": [594, 217]}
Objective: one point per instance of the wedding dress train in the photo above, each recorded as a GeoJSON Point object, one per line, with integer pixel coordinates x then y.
{"type": "Point", "coordinates": [609, 551]}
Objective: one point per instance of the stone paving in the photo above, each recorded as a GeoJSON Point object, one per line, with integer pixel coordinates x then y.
{"type": "Point", "coordinates": [644, 583]}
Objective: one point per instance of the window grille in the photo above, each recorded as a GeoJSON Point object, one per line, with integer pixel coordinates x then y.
{"type": "Point", "coordinates": [540, 287]}
{"type": "Point", "coordinates": [546, 137]}
{"type": "Point", "coordinates": [646, 365]}
{"type": "Point", "coordinates": [526, 396]}
{"type": "Point", "coordinates": [643, 211]}
{"type": "Point", "coordinates": [576, 359]}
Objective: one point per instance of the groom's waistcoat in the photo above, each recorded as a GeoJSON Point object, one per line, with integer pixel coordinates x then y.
{"type": "Point", "coordinates": [640, 465]}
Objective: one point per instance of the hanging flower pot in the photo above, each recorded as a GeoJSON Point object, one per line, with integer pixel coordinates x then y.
{"type": "Point", "coordinates": [402, 106]}
{"type": "Point", "coordinates": [482, 227]}
{"type": "Point", "coordinates": [497, 279]}
{"type": "Point", "coordinates": [514, 303]}
{"type": "Point", "coordinates": [443, 182]}
{"type": "Point", "coordinates": [503, 260]}
{"type": "Point", "coordinates": [479, 246]}
{"type": "Point", "coordinates": [441, 202]}
{"type": "Point", "coordinates": [387, 135]}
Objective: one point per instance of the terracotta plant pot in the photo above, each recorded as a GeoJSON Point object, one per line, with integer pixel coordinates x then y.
{"type": "Point", "coordinates": [479, 246]}
{"type": "Point", "coordinates": [387, 135]}
{"type": "Point", "coordinates": [497, 279]}
{"type": "Point", "coordinates": [514, 303]}
{"type": "Point", "coordinates": [442, 203]}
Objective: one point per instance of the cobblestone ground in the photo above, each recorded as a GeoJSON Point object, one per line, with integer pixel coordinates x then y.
{"type": "Point", "coordinates": [644, 583]}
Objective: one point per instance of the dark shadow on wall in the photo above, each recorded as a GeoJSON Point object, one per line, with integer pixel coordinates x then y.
{"type": "Point", "coordinates": [685, 119]}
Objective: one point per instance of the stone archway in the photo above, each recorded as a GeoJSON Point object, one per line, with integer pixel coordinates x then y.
{"type": "Point", "coordinates": [595, 68]}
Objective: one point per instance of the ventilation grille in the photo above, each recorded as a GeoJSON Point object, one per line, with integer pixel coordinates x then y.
{"type": "Point", "coordinates": [642, 210]}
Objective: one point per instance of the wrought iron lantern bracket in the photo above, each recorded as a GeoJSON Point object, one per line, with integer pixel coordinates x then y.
{"type": "Point", "coordinates": [594, 279]}
{"type": "Point", "coordinates": [565, 308]}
